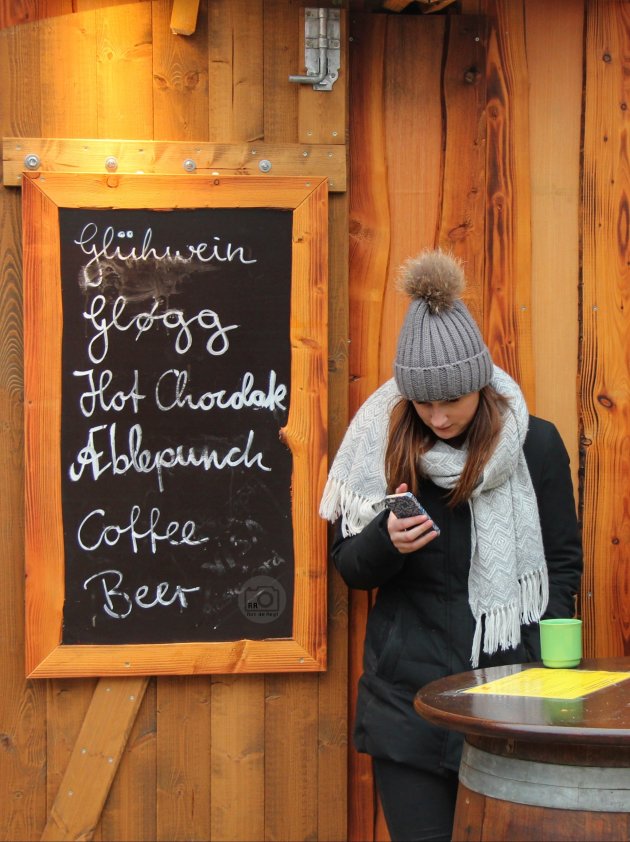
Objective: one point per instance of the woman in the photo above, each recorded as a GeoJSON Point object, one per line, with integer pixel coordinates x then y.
{"type": "Point", "coordinates": [454, 429]}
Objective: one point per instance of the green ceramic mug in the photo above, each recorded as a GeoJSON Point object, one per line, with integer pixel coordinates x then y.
{"type": "Point", "coordinates": [561, 642]}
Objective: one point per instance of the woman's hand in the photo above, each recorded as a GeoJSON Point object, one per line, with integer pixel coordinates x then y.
{"type": "Point", "coordinates": [410, 533]}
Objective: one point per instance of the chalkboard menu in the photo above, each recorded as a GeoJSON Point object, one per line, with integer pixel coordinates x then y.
{"type": "Point", "coordinates": [164, 368]}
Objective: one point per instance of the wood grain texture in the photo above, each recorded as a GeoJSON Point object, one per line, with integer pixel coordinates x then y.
{"type": "Point", "coordinates": [469, 813]}
{"type": "Point", "coordinates": [369, 211]}
{"type": "Point", "coordinates": [307, 424]}
{"type": "Point", "coordinates": [95, 758]}
{"type": "Point", "coordinates": [67, 703]}
{"type": "Point", "coordinates": [22, 703]}
{"type": "Point", "coordinates": [368, 262]}
{"type": "Point", "coordinates": [20, 73]}
{"type": "Point", "coordinates": [291, 743]}
{"type": "Point", "coordinates": [604, 371]}
{"type": "Point", "coordinates": [68, 88]}
{"type": "Point", "coordinates": [333, 684]}
{"type": "Point", "coordinates": [461, 226]}
{"type": "Point", "coordinates": [235, 68]}
{"type": "Point", "coordinates": [184, 737]}
{"type": "Point", "coordinates": [42, 355]}
{"type": "Point", "coordinates": [130, 808]}
{"type": "Point", "coordinates": [281, 38]}
{"type": "Point", "coordinates": [412, 106]}
{"type": "Point", "coordinates": [124, 71]}
{"type": "Point", "coordinates": [483, 818]}
{"type": "Point", "coordinates": [238, 758]}
{"type": "Point", "coordinates": [507, 304]}
{"type": "Point", "coordinates": [26, 11]}
{"type": "Point", "coordinates": [554, 36]}
{"type": "Point", "coordinates": [167, 158]}
{"type": "Point", "coordinates": [180, 77]}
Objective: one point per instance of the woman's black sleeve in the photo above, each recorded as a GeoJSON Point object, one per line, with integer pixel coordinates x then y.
{"type": "Point", "coordinates": [369, 559]}
{"type": "Point", "coordinates": [560, 529]}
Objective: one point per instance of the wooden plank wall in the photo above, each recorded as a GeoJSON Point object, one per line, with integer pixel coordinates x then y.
{"type": "Point", "coordinates": [512, 150]}
{"type": "Point", "coordinates": [222, 757]}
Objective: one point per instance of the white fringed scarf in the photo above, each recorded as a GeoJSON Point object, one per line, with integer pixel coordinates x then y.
{"type": "Point", "coordinates": [507, 583]}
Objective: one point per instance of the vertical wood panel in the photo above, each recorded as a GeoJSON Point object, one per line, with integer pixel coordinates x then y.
{"type": "Point", "coordinates": [68, 76]}
{"type": "Point", "coordinates": [368, 262]}
{"type": "Point", "coordinates": [20, 74]}
{"type": "Point", "coordinates": [68, 104]}
{"type": "Point", "coordinates": [124, 70]}
{"type": "Point", "coordinates": [370, 232]}
{"type": "Point", "coordinates": [238, 758]}
{"type": "Point", "coordinates": [605, 369]}
{"type": "Point", "coordinates": [180, 76]}
{"type": "Point", "coordinates": [130, 811]}
{"type": "Point", "coordinates": [508, 238]}
{"type": "Point", "coordinates": [22, 704]}
{"type": "Point", "coordinates": [291, 747]}
{"type": "Point", "coordinates": [333, 685]}
{"type": "Point", "coordinates": [183, 758]}
{"type": "Point", "coordinates": [554, 35]}
{"type": "Point", "coordinates": [95, 758]}
{"type": "Point", "coordinates": [413, 153]}
{"type": "Point", "coordinates": [235, 62]}
{"type": "Point", "coordinates": [67, 703]}
{"type": "Point", "coordinates": [462, 218]}
{"type": "Point", "coordinates": [280, 60]}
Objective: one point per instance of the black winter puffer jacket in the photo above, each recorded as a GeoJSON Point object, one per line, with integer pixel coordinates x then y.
{"type": "Point", "coordinates": [421, 626]}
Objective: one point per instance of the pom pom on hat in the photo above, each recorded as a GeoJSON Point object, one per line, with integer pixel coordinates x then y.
{"type": "Point", "coordinates": [441, 354]}
{"type": "Point", "coordinates": [434, 276]}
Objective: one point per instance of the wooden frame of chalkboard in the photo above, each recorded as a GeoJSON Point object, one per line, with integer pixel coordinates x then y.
{"type": "Point", "coordinates": [175, 424]}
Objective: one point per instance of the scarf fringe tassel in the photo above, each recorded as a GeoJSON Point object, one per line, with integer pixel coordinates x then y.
{"type": "Point", "coordinates": [502, 628]}
{"type": "Point", "coordinates": [356, 511]}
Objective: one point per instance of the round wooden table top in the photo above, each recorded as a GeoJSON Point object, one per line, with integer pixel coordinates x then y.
{"type": "Point", "coordinates": [598, 718]}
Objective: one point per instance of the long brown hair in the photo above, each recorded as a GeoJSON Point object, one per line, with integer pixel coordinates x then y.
{"type": "Point", "coordinates": [409, 437]}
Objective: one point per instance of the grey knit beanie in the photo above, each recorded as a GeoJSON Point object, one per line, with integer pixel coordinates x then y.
{"type": "Point", "coordinates": [441, 354]}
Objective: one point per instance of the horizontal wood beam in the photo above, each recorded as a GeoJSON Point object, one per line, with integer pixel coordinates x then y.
{"type": "Point", "coordinates": [74, 155]}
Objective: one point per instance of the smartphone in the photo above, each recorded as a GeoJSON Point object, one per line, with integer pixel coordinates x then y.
{"type": "Point", "coordinates": [407, 505]}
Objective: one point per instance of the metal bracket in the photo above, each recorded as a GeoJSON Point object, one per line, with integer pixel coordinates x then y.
{"type": "Point", "coordinates": [321, 48]}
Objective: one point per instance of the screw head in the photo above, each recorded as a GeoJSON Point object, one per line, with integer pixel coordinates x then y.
{"type": "Point", "coordinates": [264, 165]}
{"type": "Point", "coordinates": [190, 165]}
{"type": "Point", "coordinates": [111, 164]}
{"type": "Point", "coordinates": [32, 162]}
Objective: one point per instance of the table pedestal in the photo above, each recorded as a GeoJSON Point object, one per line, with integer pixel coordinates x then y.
{"type": "Point", "coordinates": [542, 791]}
